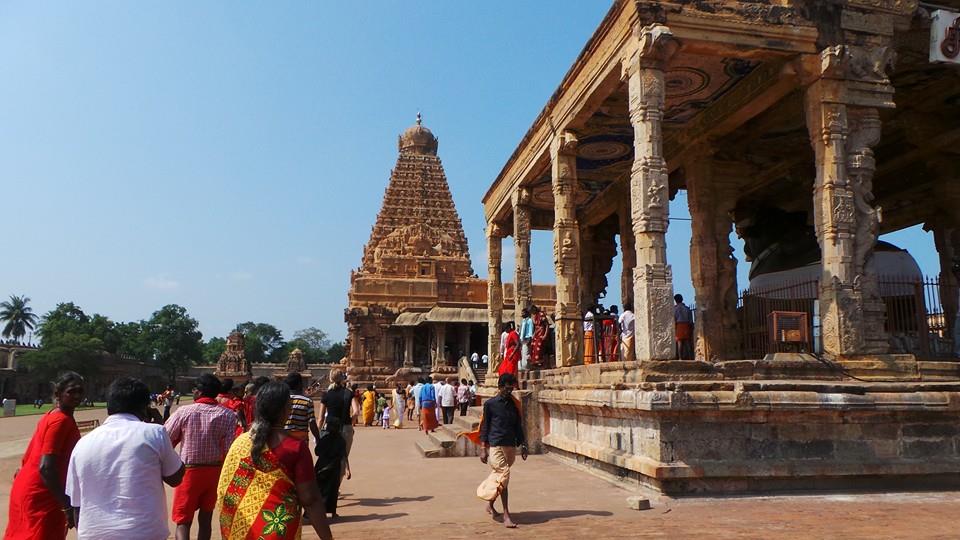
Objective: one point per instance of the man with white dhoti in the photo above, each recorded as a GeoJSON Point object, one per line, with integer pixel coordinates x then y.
{"type": "Point", "coordinates": [500, 433]}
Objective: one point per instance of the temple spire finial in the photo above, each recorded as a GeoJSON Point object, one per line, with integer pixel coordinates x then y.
{"type": "Point", "coordinates": [419, 118]}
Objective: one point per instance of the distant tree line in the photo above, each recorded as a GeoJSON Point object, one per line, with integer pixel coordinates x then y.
{"type": "Point", "coordinates": [72, 340]}
{"type": "Point", "coordinates": [265, 343]}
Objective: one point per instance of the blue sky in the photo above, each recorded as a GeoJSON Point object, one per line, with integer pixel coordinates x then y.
{"type": "Point", "coordinates": [231, 157]}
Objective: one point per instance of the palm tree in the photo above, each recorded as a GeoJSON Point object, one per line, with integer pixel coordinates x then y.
{"type": "Point", "coordinates": [17, 316]}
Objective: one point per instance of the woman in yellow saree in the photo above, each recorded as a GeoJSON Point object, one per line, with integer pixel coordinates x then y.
{"type": "Point", "coordinates": [369, 405]}
{"type": "Point", "coordinates": [267, 477]}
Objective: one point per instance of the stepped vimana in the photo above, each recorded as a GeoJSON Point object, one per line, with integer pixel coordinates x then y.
{"type": "Point", "coordinates": [415, 306]}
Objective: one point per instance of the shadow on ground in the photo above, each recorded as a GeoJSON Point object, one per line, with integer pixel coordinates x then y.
{"type": "Point", "coordinates": [533, 518]}
{"type": "Point", "coordinates": [381, 502]}
{"type": "Point", "coordinates": [367, 517]}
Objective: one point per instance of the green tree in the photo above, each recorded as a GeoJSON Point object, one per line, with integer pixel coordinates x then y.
{"type": "Point", "coordinates": [314, 337]}
{"type": "Point", "coordinates": [213, 349]}
{"type": "Point", "coordinates": [264, 342]}
{"type": "Point", "coordinates": [174, 338]}
{"type": "Point", "coordinates": [66, 318]}
{"type": "Point", "coordinates": [336, 352]}
{"type": "Point", "coordinates": [17, 317]}
{"type": "Point", "coordinates": [134, 340]}
{"type": "Point", "coordinates": [75, 352]}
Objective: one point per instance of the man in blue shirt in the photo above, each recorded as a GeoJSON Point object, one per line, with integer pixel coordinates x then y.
{"type": "Point", "coordinates": [526, 336]}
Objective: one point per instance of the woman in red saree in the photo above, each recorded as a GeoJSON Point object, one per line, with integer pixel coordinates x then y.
{"type": "Point", "coordinates": [511, 355]}
{"type": "Point", "coordinates": [541, 328]}
{"type": "Point", "coordinates": [267, 477]}
{"type": "Point", "coordinates": [611, 335]}
{"type": "Point", "coordinates": [39, 508]}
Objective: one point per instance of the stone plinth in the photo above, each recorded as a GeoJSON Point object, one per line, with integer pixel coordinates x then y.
{"type": "Point", "coordinates": [725, 434]}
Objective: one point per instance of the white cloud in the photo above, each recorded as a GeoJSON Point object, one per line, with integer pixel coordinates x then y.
{"type": "Point", "coordinates": [241, 276]}
{"type": "Point", "coordinates": [161, 282]}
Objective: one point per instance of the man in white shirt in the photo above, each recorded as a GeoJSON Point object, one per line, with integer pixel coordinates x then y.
{"type": "Point", "coordinates": [447, 399]}
{"type": "Point", "coordinates": [416, 400]}
{"type": "Point", "coordinates": [116, 473]}
{"type": "Point", "coordinates": [436, 389]}
{"type": "Point", "coordinates": [627, 324]}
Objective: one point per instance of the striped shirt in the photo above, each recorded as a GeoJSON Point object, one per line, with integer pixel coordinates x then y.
{"type": "Point", "coordinates": [301, 413]}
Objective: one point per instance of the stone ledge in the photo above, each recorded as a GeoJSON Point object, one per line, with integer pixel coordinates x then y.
{"type": "Point", "coordinates": [744, 400]}
{"type": "Point", "coordinates": [752, 468]}
{"type": "Point", "coordinates": [641, 464]}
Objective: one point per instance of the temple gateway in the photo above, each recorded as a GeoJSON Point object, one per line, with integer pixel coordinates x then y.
{"type": "Point", "coordinates": [813, 127]}
{"type": "Point", "coordinates": [415, 305]}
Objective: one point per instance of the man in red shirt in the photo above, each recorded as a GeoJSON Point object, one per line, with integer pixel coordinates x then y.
{"type": "Point", "coordinates": [205, 431]}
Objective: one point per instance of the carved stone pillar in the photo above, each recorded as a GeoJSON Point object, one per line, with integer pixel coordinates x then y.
{"type": "Point", "coordinates": [713, 268]}
{"type": "Point", "coordinates": [494, 297]}
{"type": "Point", "coordinates": [628, 254]}
{"type": "Point", "coordinates": [843, 128]}
{"type": "Point", "coordinates": [585, 249]}
{"type": "Point", "coordinates": [407, 347]}
{"type": "Point", "coordinates": [566, 250]}
{"type": "Point", "coordinates": [463, 342]}
{"type": "Point", "coordinates": [947, 240]}
{"type": "Point", "coordinates": [440, 339]}
{"type": "Point", "coordinates": [523, 282]}
{"type": "Point", "coordinates": [653, 282]}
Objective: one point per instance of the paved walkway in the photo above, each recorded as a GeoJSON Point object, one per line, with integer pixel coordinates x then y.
{"type": "Point", "coordinates": [397, 493]}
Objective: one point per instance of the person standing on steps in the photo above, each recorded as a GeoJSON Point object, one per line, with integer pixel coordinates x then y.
{"type": "Point", "coordinates": [447, 397]}
{"type": "Point", "coordinates": [499, 434]}
{"type": "Point", "coordinates": [463, 396]}
{"type": "Point", "coordinates": [683, 319]}
{"type": "Point", "coordinates": [428, 405]}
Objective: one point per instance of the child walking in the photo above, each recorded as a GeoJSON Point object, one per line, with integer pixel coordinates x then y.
{"type": "Point", "coordinates": [387, 411]}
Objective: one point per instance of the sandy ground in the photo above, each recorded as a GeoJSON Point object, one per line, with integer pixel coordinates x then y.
{"type": "Point", "coordinates": [396, 493]}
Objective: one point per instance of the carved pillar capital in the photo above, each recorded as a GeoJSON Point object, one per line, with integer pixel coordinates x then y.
{"type": "Point", "coordinates": [565, 143]}
{"type": "Point", "coordinates": [495, 230]}
{"type": "Point", "coordinates": [654, 46]}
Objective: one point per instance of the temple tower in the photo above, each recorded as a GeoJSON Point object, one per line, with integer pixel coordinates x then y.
{"type": "Point", "coordinates": [415, 282]}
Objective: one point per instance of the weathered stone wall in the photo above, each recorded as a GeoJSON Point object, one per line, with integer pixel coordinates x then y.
{"type": "Point", "coordinates": [750, 435]}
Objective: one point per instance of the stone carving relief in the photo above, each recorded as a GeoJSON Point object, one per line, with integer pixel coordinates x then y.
{"type": "Point", "coordinates": [295, 362]}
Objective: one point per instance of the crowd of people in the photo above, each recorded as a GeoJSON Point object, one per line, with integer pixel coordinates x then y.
{"type": "Point", "coordinates": [429, 402]}
{"type": "Point", "coordinates": [241, 448]}
{"type": "Point", "coordinates": [244, 449]}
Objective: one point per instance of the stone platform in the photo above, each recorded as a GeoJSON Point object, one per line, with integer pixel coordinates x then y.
{"type": "Point", "coordinates": [749, 426]}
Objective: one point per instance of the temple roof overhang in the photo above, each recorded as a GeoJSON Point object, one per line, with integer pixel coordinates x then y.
{"type": "Point", "coordinates": [440, 314]}
{"type": "Point", "coordinates": [736, 83]}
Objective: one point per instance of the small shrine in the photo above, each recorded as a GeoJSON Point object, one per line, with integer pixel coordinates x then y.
{"type": "Point", "coordinates": [233, 363]}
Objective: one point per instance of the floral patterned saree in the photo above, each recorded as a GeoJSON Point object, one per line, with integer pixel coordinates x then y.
{"type": "Point", "coordinates": [257, 501]}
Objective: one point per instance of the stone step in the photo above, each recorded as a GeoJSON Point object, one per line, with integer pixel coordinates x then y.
{"type": "Point", "coordinates": [443, 438]}
{"type": "Point", "coordinates": [462, 446]}
{"type": "Point", "coordinates": [466, 423]}
{"type": "Point", "coordinates": [428, 448]}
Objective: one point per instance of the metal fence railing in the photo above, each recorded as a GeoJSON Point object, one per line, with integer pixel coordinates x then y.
{"type": "Point", "coordinates": [920, 315]}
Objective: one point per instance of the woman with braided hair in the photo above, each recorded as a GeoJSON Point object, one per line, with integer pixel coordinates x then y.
{"type": "Point", "coordinates": [267, 477]}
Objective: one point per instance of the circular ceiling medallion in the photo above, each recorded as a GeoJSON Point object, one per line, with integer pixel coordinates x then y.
{"type": "Point", "coordinates": [603, 150]}
{"type": "Point", "coordinates": [685, 81]}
